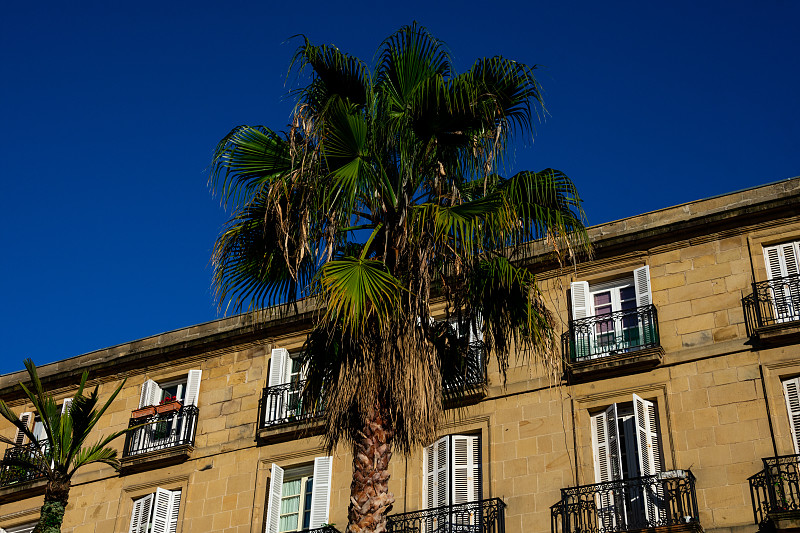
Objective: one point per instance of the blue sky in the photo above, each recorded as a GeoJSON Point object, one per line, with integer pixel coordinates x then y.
{"type": "Point", "coordinates": [109, 115]}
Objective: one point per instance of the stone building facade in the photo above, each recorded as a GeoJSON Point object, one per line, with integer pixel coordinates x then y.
{"type": "Point", "coordinates": [677, 407]}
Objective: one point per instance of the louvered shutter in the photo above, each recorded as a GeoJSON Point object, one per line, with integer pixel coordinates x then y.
{"type": "Point", "coordinates": [581, 308]}
{"type": "Point", "coordinates": [608, 467]}
{"type": "Point", "coordinates": [66, 405]}
{"type": "Point", "coordinates": [162, 511]}
{"type": "Point", "coordinates": [321, 491]}
{"type": "Point", "coordinates": [276, 403]}
{"type": "Point", "coordinates": [151, 394]}
{"type": "Point", "coordinates": [465, 468]}
{"type": "Point", "coordinates": [436, 479]}
{"type": "Point", "coordinates": [140, 519]}
{"type": "Point", "coordinates": [581, 300]}
{"type": "Point", "coordinates": [648, 446]}
{"type": "Point", "coordinates": [274, 500]}
{"type": "Point", "coordinates": [20, 438]}
{"type": "Point", "coordinates": [782, 261]}
{"type": "Point", "coordinates": [647, 438]}
{"type": "Point", "coordinates": [641, 282]}
{"type": "Point", "coordinates": [193, 387]}
{"type": "Point", "coordinates": [175, 508]}
{"type": "Point", "coordinates": [791, 390]}
{"type": "Point", "coordinates": [277, 369]}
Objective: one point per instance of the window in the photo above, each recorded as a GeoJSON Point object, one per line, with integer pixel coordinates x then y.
{"type": "Point", "coordinates": [165, 424]}
{"type": "Point", "coordinates": [452, 471]}
{"type": "Point", "coordinates": [299, 498]}
{"type": "Point", "coordinates": [783, 274]}
{"type": "Point", "coordinates": [156, 513]}
{"type": "Point", "coordinates": [791, 391]}
{"type": "Point", "coordinates": [285, 382]}
{"type": "Point", "coordinates": [627, 444]}
{"type": "Point", "coordinates": [38, 427]}
{"type": "Point", "coordinates": [613, 316]}
{"type": "Point", "coordinates": [185, 390]}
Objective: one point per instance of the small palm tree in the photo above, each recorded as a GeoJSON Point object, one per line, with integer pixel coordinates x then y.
{"type": "Point", "coordinates": [63, 451]}
{"type": "Point", "coordinates": [386, 195]}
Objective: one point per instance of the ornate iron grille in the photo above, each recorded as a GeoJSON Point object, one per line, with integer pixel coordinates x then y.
{"type": "Point", "coordinates": [484, 516]}
{"type": "Point", "coordinates": [283, 404]}
{"type": "Point", "coordinates": [776, 489]}
{"type": "Point", "coordinates": [772, 302]}
{"type": "Point", "coordinates": [11, 473]}
{"type": "Point", "coordinates": [664, 499]}
{"type": "Point", "coordinates": [611, 334]}
{"type": "Point", "coordinates": [161, 431]}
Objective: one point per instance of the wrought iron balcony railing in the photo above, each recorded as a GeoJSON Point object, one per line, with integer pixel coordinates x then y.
{"type": "Point", "coordinates": [283, 404]}
{"type": "Point", "coordinates": [324, 529]}
{"type": "Point", "coordinates": [775, 301]}
{"type": "Point", "coordinates": [776, 489]}
{"type": "Point", "coordinates": [161, 431]}
{"type": "Point", "coordinates": [465, 375]}
{"type": "Point", "coordinates": [611, 334]}
{"type": "Point", "coordinates": [663, 499]}
{"type": "Point", "coordinates": [11, 474]}
{"type": "Point", "coordinates": [484, 516]}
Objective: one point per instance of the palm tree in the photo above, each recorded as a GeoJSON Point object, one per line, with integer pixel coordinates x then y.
{"type": "Point", "coordinates": [385, 195]}
{"type": "Point", "coordinates": [63, 451]}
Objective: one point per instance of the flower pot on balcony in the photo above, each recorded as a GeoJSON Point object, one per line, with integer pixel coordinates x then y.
{"type": "Point", "coordinates": [168, 407]}
{"type": "Point", "coordinates": [143, 411]}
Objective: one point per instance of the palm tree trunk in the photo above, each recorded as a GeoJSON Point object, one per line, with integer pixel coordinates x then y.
{"type": "Point", "coordinates": [56, 496]}
{"type": "Point", "coordinates": [370, 499]}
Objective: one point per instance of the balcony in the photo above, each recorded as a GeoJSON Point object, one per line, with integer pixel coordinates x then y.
{"type": "Point", "coordinates": [160, 438]}
{"type": "Point", "coordinates": [282, 412]}
{"type": "Point", "coordinates": [17, 481]}
{"type": "Point", "coordinates": [772, 311]}
{"type": "Point", "coordinates": [613, 342]}
{"type": "Point", "coordinates": [323, 529]}
{"type": "Point", "coordinates": [485, 516]}
{"type": "Point", "coordinates": [464, 379]}
{"type": "Point", "coordinates": [775, 494]}
{"type": "Point", "coordinates": [664, 499]}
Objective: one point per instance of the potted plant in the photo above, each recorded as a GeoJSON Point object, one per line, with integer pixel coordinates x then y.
{"type": "Point", "coordinates": [168, 405]}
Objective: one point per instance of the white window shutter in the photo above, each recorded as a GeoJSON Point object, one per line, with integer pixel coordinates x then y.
{"type": "Point", "coordinates": [20, 438]}
{"type": "Point", "coordinates": [175, 507]}
{"type": "Point", "coordinates": [581, 300]}
{"type": "Point", "coordinates": [321, 491]}
{"type": "Point", "coordinates": [608, 466]}
{"type": "Point", "coordinates": [791, 390]}
{"type": "Point", "coordinates": [607, 462]}
{"type": "Point", "coordinates": [140, 518]}
{"type": "Point", "coordinates": [436, 480]}
{"type": "Point", "coordinates": [791, 252]}
{"type": "Point", "coordinates": [277, 369]}
{"type": "Point", "coordinates": [641, 281]}
{"type": "Point", "coordinates": [66, 405]}
{"type": "Point", "coordinates": [162, 511]}
{"type": "Point", "coordinates": [647, 438]}
{"type": "Point", "coordinates": [193, 387]}
{"type": "Point", "coordinates": [466, 468]}
{"type": "Point", "coordinates": [648, 446]}
{"type": "Point", "coordinates": [274, 500]}
{"type": "Point", "coordinates": [151, 394]}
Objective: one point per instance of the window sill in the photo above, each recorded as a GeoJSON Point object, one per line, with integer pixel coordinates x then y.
{"type": "Point", "coordinates": [616, 365]}
{"type": "Point", "coordinates": [290, 431]}
{"type": "Point", "coordinates": [20, 491]}
{"type": "Point", "coordinates": [156, 458]}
